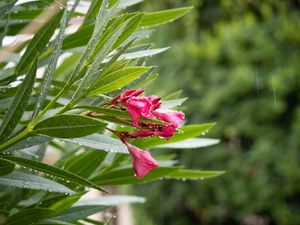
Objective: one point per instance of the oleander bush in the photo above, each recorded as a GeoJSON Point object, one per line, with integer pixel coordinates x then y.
{"type": "Point", "coordinates": [79, 92]}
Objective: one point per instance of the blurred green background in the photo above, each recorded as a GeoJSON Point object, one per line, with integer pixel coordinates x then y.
{"type": "Point", "coordinates": [238, 62]}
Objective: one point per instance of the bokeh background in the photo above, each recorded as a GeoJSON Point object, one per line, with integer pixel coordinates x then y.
{"type": "Point", "coordinates": [238, 62]}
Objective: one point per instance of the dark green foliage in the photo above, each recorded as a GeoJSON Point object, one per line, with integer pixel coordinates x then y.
{"type": "Point", "coordinates": [238, 62]}
{"type": "Point", "coordinates": [58, 92]}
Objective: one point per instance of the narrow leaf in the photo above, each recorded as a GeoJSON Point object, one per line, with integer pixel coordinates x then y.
{"type": "Point", "coordinates": [169, 104]}
{"type": "Point", "coordinates": [112, 200]}
{"type": "Point", "coordinates": [52, 170]}
{"type": "Point", "coordinates": [28, 142]}
{"type": "Point", "coordinates": [79, 212]}
{"type": "Point", "coordinates": [187, 174]}
{"type": "Point", "coordinates": [65, 203]}
{"type": "Point", "coordinates": [190, 143]}
{"type": "Point", "coordinates": [146, 82]}
{"type": "Point", "coordinates": [163, 17]}
{"type": "Point", "coordinates": [29, 181]}
{"type": "Point", "coordinates": [51, 68]}
{"type": "Point", "coordinates": [100, 142]}
{"type": "Point", "coordinates": [126, 176]}
{"type": "Point", "coordinates": [118, 79]}
{"type": "Point", "coordinates": [19, 103]}
{"type": "Point", "coordinates": [138, 54]}
{"type": "Point", "coordinates": [68, 126]}
{"type": "Point", "coordinates": [130, 29]}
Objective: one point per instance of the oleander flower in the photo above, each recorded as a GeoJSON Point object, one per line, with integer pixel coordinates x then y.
{"type": "Point", "coordinates": [138, 107]}
{"type": "Point", "coordinates": [142, 161]}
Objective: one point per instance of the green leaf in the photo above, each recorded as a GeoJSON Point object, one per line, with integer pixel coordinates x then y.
{"type": "Point", "coordinates": [118, 79]}
{"type": "Point", "coordinates": [68, 126]}
{"type": "Point", "coordinates": [130, 29]}
{"type": "Point", "coordinates": [138, 54]}
{"type": "Point", "coordinates": [19, 103]}
{"type": "Point", "coordinates": [112, 200]}
{"type": "Point", "coordinates": [187, 174]}
{"type": "Point", "coordinates": [51, 68]}
{"type": "Point", "coordinates": [126, 3]}
{"type": "Point", "coordinates": [29, 181]}
{"type": "Point", "coordinates": [163, 17]}
{"type": "Point", "coordinates": [173, 96]}
{"type": "Point", "coordinates": [52, 199]}
{"type": "Point", "coordinates": [126, 176]}
{"type": "Point", "coordinates": [28, 216]}
{"type": "Point", "coordinates": [6, 167]}
{"type": "Point", "coordinates": [190, 143]}
{"type": "Point", "coordinates": [29, 142]}
{"type": "Point", "coordinates": [146, 82]}
{"type": "Point", "coordinates": [38, 43]}
{"type": "Point", "coordinates": [100, 142]}
{"type": "Point", "coordinates": [186, 132]}
{"type": "Point", "coordinates": [102, 14]}
{"type": "Point", "coordinates": [79, 212]}
{"type": "Point", "coordinates": [172, 103]}
{"type": "Point", "coordinates": [86, 163]}
{"type": "Point", "coordinates": [65, 203]}
{"type": "Point", "coordinates": [52, 170]}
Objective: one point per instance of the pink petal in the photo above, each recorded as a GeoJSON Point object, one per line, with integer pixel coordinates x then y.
{"type": "Point", "coordinates": [169, 116]}
{"type": "Point", "coordinates": [138, 107]}
{"type": "Point", "coordinates": [143, 162]}
{"type": "Point", "coordinates": [155, 101]}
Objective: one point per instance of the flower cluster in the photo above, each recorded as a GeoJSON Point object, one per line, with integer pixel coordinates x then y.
{"type": "Point", "coordinates": [148, 107]}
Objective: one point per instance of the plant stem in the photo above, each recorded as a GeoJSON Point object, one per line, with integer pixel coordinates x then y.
{"type": "Point", "coordinates": [24, 134]}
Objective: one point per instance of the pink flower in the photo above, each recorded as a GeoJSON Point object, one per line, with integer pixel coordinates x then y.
{"type": "Point", "coordinates": [143, 162]}
{"type": "Point", "coordinates": [138, 107]}
{"type": "Point", "coordinates": [173, 117]}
